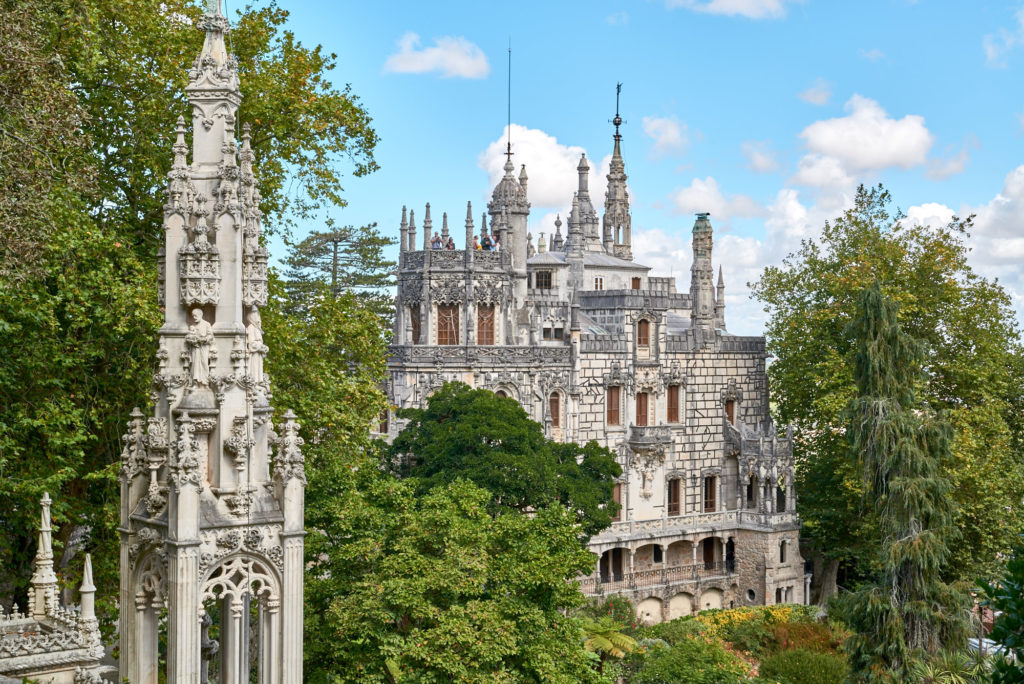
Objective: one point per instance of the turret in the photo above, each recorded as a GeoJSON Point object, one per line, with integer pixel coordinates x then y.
{"type": "Point", "coordinates": [702, 295]}
{"type": "Point", "coordinates": [510, 195]}
{"type": "Point", "coordinates": [403, 228]}
{"type": "Point", "coordinates": [428, 225]}
{"type": "Point", "coordinates": [44, 580]}
{"type": "Point", "coordinates": [585, 216]}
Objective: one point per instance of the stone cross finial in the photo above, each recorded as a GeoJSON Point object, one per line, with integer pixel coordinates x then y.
{"type": "Point", "coordinates": [213, 7]}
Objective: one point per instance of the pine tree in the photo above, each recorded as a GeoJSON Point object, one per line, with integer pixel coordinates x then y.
{"type": "Point", "coordinates": [908, 613]}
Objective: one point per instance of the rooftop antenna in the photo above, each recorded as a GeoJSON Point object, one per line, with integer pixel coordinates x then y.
{"type": "Point", "coordinates": [508, 149]}
{"type": "Point", "coordinates": [618, 119]}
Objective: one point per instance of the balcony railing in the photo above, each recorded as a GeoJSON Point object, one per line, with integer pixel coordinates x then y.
{"type": "Point", "coordinates": [656, 577]}
{"type": "Point", "coordinates": [649, 435]}
{"type": "Point", "coordinates": [694, 521]}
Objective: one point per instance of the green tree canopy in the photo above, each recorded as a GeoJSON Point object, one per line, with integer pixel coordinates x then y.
{"type": "Point", "coordinates": [91, 91]}
{"type": "Point", "coordinates": [489, 440]}
{"type": "Point", "coordinates": [433, 588]}
{"type": "Point", "coordinates": [974, 375]}
{"type": "Point", "coordinates": [907, 612]}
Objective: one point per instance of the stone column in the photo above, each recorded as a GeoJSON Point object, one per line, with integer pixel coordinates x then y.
{"type": "Point", "coordinates": [270, 642]}
{"type": "Point", "coordinates": [183, 621]}
{"type": "Point", "coordinates": [145, 669]}
{"type": "Point", "coordinates": [292, 603]}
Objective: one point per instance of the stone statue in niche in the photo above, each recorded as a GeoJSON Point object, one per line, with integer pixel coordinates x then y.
{"type": "Point", "coordinates": [255, 346]}
{"type": "Point", "coordinates": [199, 339]}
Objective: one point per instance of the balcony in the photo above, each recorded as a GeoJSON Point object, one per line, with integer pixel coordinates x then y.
{"type": "Point", "coordinates": [592, 585]}
{"type": "Point", "coordinates": [649, 436]}
{"type": "Point", "coordinates": [495, 355]}
{"type": "Point", "coordinates": [694, 522]}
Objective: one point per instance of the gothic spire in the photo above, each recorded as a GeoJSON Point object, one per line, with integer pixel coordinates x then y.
{"type": "Point", "coordinates": [702, 296]}
{"type": "Point", "coordinates": [617, 231]}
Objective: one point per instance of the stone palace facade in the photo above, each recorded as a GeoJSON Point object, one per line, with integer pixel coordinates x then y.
{"type": "Point", "coordinates": [595, 348]}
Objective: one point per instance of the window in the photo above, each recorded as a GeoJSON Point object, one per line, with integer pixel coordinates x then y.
{"type": "Point", "coordinates": [782, 551]}
{"type": "Point", "coordinates": [673, 497]}
{"type": "Point", "coordinates": [643, 333]}
{"type": "Point", "coordinates": [641, 408]}
{"type": "Point", "coordinates": [778, 595]}
{"type": "Point", "coordinates": [553, 333]}
{"type": "Point", "coordinates": [617, 498]}
{"type": "Point", "coordinates": [502, 393]}
{"type": "Point", "coordinates": [543, 280]}
{"type": "Point", "coordinates": [673, 404]}
{"type": "Point", "coordinates": [658, 555]}
{"type": "Point", "coordinates": [780, 499]}
{"type": "Point", "coordinates": [751, 493]}
{"type": "Point", "coordinates": [485, 324]}
{"type": "Point", "coordinates": [414, 317]}
{"type": "Point", "coordinates": [598, 283]}
{"type": "Point", "coordinates": [382, 426]}
{"type": "Point", "coordinates": [612, 402]}
{"type": "Point", "coordinates": [730, 410]}
{"type": "Point", "coordinates": [555, 406]}
{"type": "Point", "coordinates": [447, 324]}
{"type": "Point", "coordinates": [710, 485]}
{"type": "Point", "coordinates": [636, 283]}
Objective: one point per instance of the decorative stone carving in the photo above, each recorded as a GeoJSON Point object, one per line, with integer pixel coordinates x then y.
{"type": "Point", "coordinates": [255, 346]}
{"type": "Point", "coordinates": [254, 276]}
{"type": "Point", "coordinates": [134, 456]}
{"type": "Point", "coordinates": [186, 467]}
{"type": "Point", "coordinates": [448, 291]}
{"type": "Point", "coordinates": [199, 265]}
{"type": "Point", "coordinates": [289, 462]}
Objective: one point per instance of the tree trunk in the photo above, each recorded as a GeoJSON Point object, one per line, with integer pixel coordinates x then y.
{"type": "Point", "coordinates": [823, 584]}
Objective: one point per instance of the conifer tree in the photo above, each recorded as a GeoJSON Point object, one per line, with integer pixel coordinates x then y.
{"type": "Point", "coordinates": [908, 613]}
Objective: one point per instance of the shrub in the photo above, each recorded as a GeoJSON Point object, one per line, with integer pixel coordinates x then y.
{"type": "Point", "coordinates": [800, 666]}
{"type": "Point", "coordinates": [752, 636]}
{"type": "Point", "coordinates": [811, 636]}
{"type": "Point", "coordinates": [695, 661]}
{"type": "Point", "coordinates": [616, 607]}
{"type": "Point", "coordinates": [674, 631]}
{"type": "Point", "coordinates": [721, 622]}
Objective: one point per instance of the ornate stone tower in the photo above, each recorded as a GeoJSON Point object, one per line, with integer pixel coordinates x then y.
{"type": "Point", "coordinates": [702, 289]}
{"type": "Point", "coordinates": [211, 524]}
{"type": "Point", "coordinates": [618, 224]}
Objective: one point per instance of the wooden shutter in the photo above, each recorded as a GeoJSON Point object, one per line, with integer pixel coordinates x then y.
{"type": "Point", "coordinates": [641, 408]}
{"type": "Point", "coordinates": [643, 333]}
{"type": "Point", "coordinates": [673, 497]}
{"type": "Point", "coordinates": [617, 498]}
{"type": "Point", "coordinates": [673, 404]}
{"type": "Point", "coordinates": [414, 315]}
{"type": "Point", "coordinates": [612, 399]}
{"type": "Point", "coordinates": [554, 404]}
{"type": "Point", "coordinates": [730, 411]}
{"type": "Point", "coordinates": [709, 494]}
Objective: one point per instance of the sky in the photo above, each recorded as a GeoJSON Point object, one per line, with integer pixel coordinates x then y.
{"type": "Point", "coordinates": [766, 113]}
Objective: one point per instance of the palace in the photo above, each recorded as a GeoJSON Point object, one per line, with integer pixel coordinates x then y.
{"type": "Point", "coordinates": [595, 348]}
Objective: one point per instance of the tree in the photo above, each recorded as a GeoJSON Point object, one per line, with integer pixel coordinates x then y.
{"type": "Point", "coordinates": [907, 612]}
{"type": "Point", "coordinates": [346, 259]}
{"type": "Point", "coordinates": [433, 588]}
{"type": "Point", "coordinates": [489, 440]}
{"type": "Point", "coordinates": [1006, 597]}
{"type": "Point", "coordinates": [975, 376]}
{"type": "Point", "coordinates": [91, 91]}
{"type": "Point", "coordinates": [604, 637]}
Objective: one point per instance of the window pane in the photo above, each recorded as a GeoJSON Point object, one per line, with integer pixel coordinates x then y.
{"type": "Point", "coordinates": [641, 408]}
{"type": "Point", "coordinates": [643, 333]}
{"type": "Point", "coordinates": [556, 410]}
{"type": "Point", "coordinates": [414, 316]}
{"type": "Point", "coordinates": [673, 404]}
{"type": "Point", "coordinates": [543, 280]}
{"type": "Point", "coordinates": [447, 324]}
{"type": "Point", "coordinates": [485, 324]}
{"type": "Point", "coordinates": [612, 401]}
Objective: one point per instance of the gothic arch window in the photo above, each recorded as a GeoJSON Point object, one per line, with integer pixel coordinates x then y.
{"type": "Point", "coordinates": [782, 551]}
{"type": "Point", "coordinates": [414, 319]}
{"type": "Point", "coordinates": [555, 409]}
{"type": "Point", "coordinates": [485, 324]}
{"type": "Point", "coordinates": [643, 333]}
{"type": "Point", "coordinates": [501, 393]}
{"type": "Point", "coordinates": [447, 324]}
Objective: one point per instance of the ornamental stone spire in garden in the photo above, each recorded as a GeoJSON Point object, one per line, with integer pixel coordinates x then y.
{"type": "Point", "coordinates": [211, 519]}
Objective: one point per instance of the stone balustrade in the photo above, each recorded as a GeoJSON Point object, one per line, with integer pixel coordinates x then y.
{"type": "Point", "coordinates": [592, 585]}
{"type": "Point", "coordinates": [688, 523]}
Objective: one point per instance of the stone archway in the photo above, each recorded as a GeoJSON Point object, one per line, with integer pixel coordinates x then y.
{"type": "Point", "coordinates": [648, 611]}
{"type": "Point", "coordinates": [680, 605]}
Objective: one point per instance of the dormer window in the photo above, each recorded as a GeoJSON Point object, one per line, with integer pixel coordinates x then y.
{"type": "Point", "coordinates": [598, 283]}
{"type": "Point", "coordinates": [542, 280]}
{"type": "Point", "coordinates": [636, 283]}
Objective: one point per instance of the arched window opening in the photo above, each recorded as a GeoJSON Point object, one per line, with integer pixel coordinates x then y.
{"type": "Point", "coordinates": [658, 554]}
{"type": "Point", "coordinates": [643, 333]}
{"type": "Point", "coordinates": [751, 493]}
{"type": "Point", "coordinates": [610, 566]}
{"type": "Point", "coordinates": [780, 499]}
{"type": "Point", "coordinates": [447, 324]}
{"type": "Point", "coordinates": [555, 407]}
{"type": "Point", "coordinates": [502, 393]}
{"type": "Point", "coordinates": [485, 324]}
{"type": "Point", "coordinates": [730, 410]}
{"type": "Point", "coordinates": [782, 551]}
{"type": "Point", "coordinates": [414, 319]}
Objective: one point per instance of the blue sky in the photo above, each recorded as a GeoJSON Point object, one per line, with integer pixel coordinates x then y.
{"type": "Point", "coordinates": [764, 112]}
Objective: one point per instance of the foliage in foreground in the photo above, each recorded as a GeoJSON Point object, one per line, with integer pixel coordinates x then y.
{"type": "Point", "coordinates": [697, 660]}
{"type": "Point", "coordinates": [799, 666]}
{"type": "Point", "coordinates": [975, 375]}
{"type": "Point", "coordinates": [492, 442]}
{"type": "Point", "coordinates": [1007, 596]}
{"type": "Point", "coordinates": [434, 589]}
{"type": "Point", "coordinates": [907, 613]}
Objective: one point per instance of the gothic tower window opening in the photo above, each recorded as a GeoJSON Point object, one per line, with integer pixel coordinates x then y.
{"type": "Point", "coordinates": [555, 409]}
{"type": "Point", "coordinates": [542, 280]}
{"type": "Point", "coordinates": [642, 407]}
{"type": "Point", "coordinates": [447, 324]}
{"type": "Point", "coordinates": [613, 405]}
{"type": "Point", "coordinates": [485, 324]}
{"type": "Point", "coordinates": [643, 333]}
{"type": "Point", "coordinates": [672, 411]}
{"type": "Point", "coordinates": [414, 320]}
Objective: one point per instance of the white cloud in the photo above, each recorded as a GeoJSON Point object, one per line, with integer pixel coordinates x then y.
{"type": "Point", "coordinates": [449, 56]}
{"type": "Point", "coordinates": [617, 19]}
{"type": "Point", "coordinates": [818, 94]}
{"type": "Point", "coordinates": [952, 164]}
{"type": "Point", "coordinates": [704, 195]}
{"type": "Point", "coordinates": [751, 9]}
{"type": "Point", "coordinates": [872, 55]}
{"type": "Point", "coordinates": [821, 171]}
{"type": "Point", "coordinates": [669, 135]}
{"type": "Point", "coordinates": [868, 139]}
{"type": "Point", "coordinates": [553, 178]}
{"type": "Point", "coordinates": [929, 214]}
{"type": "Point", "coordinates": [760, 156]}
{"type": "Point", "coordinates": [997, 45]}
